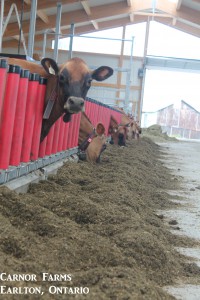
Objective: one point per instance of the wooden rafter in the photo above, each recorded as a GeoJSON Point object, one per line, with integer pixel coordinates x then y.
{"type": "Point", "coordinates": [130, 2]}
{"type": "Point", "coordinates": [86, 7]}
{"type": "Point", "coordinates": [178, 5]}
{"type": "Point", "coordinates": [107, 16]}
{"type": "Point", "coordinates": [41, 14]}
{"type": "Point", "coordinates": [41, 5]}
{"type": "Point", "coordinates": [95, 24]}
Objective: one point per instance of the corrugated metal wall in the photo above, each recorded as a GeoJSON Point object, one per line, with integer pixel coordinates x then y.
{"type": "Point", "coordinates": [182, 122]}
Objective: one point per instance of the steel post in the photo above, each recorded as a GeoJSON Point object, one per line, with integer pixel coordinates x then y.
{"type": "Point", "coordinates": [44, 44]}
{"type": "Point", "coordinates": [58, 19]}
{"type": "Point", "coordinates": [128, 80]}
{"type": "Point", "coordinates": [71, 40]}
{"type": "Point", "coordinates": [32, 27]}
{"type": "Point", "coordinates": [1, 24]}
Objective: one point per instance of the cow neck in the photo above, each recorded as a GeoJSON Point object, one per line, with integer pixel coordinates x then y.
{"type": "Point", "coordinates": [51, 97]}
{"type": "Point", "coordinates": [83, 146]}
{"type": "Point", "coordinates": [113, 125]}
{"type": "Point", "coordinates": [87, 133]}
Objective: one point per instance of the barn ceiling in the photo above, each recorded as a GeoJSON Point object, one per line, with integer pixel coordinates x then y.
{"type": "Point", "coordinates": [95, 15]}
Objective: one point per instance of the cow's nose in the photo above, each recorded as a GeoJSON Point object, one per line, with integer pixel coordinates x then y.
{"type": "Point", "coordinates": [71, 101]}
{"type": "Point", "coordinates": [81, 103]}
{"type": "Point", "coordinates": [76, 101]}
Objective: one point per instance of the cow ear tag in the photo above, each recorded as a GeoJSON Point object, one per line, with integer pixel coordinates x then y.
{"type": "Point", "coordinates": [51, 70]}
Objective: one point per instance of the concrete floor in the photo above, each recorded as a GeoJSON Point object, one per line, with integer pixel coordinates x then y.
{"type": "Point", "coordinates": [184, 160]}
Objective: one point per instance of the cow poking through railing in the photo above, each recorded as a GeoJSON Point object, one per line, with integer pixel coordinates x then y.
{"type": "Point", "coordinates": [22, 103]}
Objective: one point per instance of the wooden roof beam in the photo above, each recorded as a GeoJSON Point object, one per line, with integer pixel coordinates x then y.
{"type": "Point", "coordinates": [43, 16]}
{"type": "Point", "coordinates": [95, 24]}
{"type": "Point", "coordinates": [131, 16]}
{"type": "Point", "coordinates": [184, 13]}
{"type": "Point", "coordinates": [41, 5]}
{"type": "Point", "coordinates": [166, 6]}
{"type": "Point", "coordinates": [178, 5]}
{"type": "Point", "coordinates": [104, 11]}
{"type": "Point", "coordinates": [130, 2]}
{"type": "Point", "coordinates": [86, 7]}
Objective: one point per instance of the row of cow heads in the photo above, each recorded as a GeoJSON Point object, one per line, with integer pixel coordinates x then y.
{"type": "Point", "coordinates": [92, 141]}
{"type": "Point", "coordinates": [127, 129]}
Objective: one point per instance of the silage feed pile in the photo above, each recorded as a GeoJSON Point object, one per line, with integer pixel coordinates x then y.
{"type": "Point", "coordinates": [95, 230]}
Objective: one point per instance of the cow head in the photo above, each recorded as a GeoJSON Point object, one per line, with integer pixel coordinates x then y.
{"type": "Point", "coordinates": [135, 130]}
{"type": "Point", "coordinates": [119, 132]}
{"type": "Point", "coordinates": [73, 82]}
{"type": "Point", "coordinates": [97, 145]}
{"type": "Point", "coordinates": [91, 140]}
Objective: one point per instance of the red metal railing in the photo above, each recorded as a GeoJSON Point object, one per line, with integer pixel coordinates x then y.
{"type": "Point", "coordinates": [22, 97]}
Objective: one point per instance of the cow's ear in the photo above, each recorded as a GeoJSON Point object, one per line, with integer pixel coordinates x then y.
{"type": "Point", "coordinates": [100, 129]}
{"type": "Point", "coordinates": [50, 66]}
{"type": "Point", "coordinates": [102, 73]}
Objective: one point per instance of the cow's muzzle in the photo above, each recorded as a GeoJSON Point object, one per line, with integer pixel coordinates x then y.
{"type": "Point", "coordinates": [74, 104]}
{"type": "Point", "coordinates": [121, 139]}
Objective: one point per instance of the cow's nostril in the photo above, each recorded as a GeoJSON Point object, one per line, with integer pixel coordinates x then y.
{"type": "Point", "coordinates": [71, 101]}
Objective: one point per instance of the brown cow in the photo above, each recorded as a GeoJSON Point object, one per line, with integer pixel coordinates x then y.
{"type": "Point", "coordinates": [119, 132]}
{"type": "Point", "coordinates": [67, 86]}
{"type": "Point", "coordinates": [91, 141]}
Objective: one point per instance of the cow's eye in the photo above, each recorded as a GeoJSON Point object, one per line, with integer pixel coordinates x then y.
{"type": "Point", "coordinates": [62, 79]}
{"type": "Point", "coordinates": [88, 82]}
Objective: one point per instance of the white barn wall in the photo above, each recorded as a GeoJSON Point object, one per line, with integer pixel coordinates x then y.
{"type": "Point", "coordinates": [105, 94]}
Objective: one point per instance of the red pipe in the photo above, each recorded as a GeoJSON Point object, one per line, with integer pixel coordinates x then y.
{"type": "Point", "coordinates": [8, 114]}
{"type": "Point", "coordinates": [96, 109]}
{"type": "Point", "coordinates": [56, 136]}
{"type": "Point", "coordinates": [29, 116]}
{"type": "Point", "coordinates": [42, 147]}
{"type": "Point", "coordinates": [61, 135]}
{"type": "Point", "coordinates": [50, 141]}
{"type": "Point", "coordinates": [89, 112]}
{"type": "Point", "coordinates": [65, 139]}
{"type": "Point", "coordinates": [38, 118]}
{"type": "Point", "coordinates": [94, 112]}
{"type": "Point", "coordinates": [3, 74]}
{"type": "Point", "coordinates": [87, 107]}
{"type": "Point", "coordinates": [19, 119]}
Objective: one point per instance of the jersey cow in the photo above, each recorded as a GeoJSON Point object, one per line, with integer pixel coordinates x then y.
{"type": "Point", "coordinates": [119, 132]}
{"type": "Point", "coordinates": [67, 86]}
{"type": "Point", "coordinates": [135, 130]}
{"type": "Point", "coordinates": [92, 141]}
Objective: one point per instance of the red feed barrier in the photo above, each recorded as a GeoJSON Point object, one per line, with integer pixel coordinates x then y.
{"type": "Point", "coordinates": [29, 117]}
{"type": "Point", "coordinates": [56, 136]}
{"type": "Point", "coordinates": [19, 119]}
{"type": "Point", "coordinates": [38, 118]}
{"type": "Point", "coordinates": [21, 111]}
{"type": "Point", "coordinates": [65, 137]}
{"type": "Point", "coordinates": [3, 74]}
{"type": "Point", "coordinates": [8, 114]}
{"type": "Point", "coordinates": [42, 148]}
{"type": "Point", "coordinates": [61, 135]}
{"type": "Point", "coordinates": [50, 140]}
